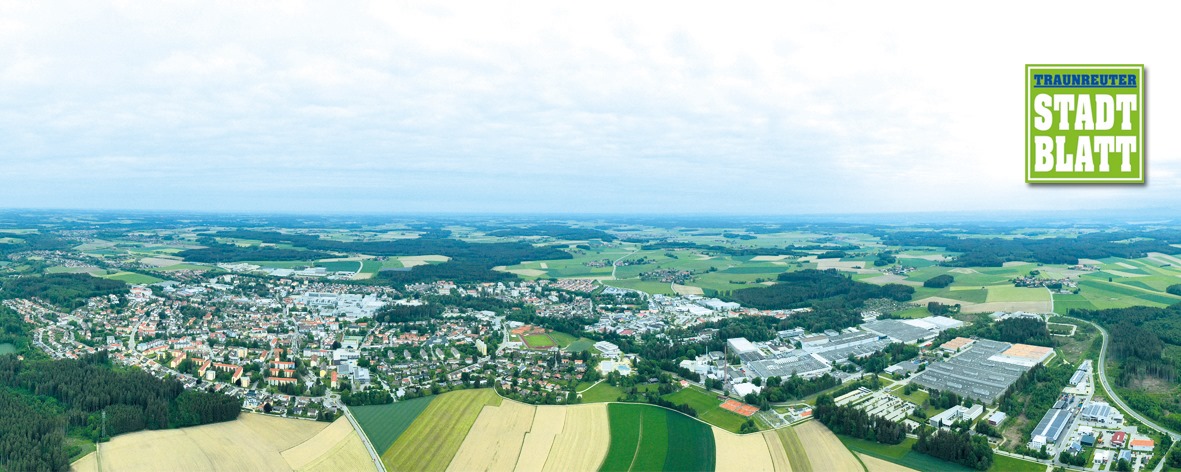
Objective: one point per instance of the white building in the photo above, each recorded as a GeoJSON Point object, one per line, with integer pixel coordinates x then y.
{"type": "Point", "coordinates": [740, 346]}
{"type": "Point", "coordinates": [608, 349]}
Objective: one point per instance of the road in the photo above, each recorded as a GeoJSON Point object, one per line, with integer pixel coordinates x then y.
{"type": "Point", "coordinates": [615, 264]}
{"type": "Point", "coordinates": [365, 439]}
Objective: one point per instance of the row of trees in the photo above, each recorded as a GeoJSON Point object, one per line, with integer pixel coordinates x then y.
{"type": "Point", "coordinates": [857, 423]}
{"type": "Point", "coordinates": [959, 447]}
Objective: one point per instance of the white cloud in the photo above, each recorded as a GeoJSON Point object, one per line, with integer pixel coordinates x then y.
{"type": "Point", "coordinates": [548, 107]}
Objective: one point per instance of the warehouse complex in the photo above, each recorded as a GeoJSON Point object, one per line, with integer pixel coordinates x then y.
{"type": "Point", "coordinates": [983, 370]}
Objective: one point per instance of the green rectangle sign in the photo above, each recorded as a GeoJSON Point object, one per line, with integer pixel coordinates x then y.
{"type": "Point", "coordinates": [1084, 123]}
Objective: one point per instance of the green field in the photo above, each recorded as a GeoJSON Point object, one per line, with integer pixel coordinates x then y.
{"type": "Point", "coordinates": [281, 264]}
{"type": "Point", "coordinates": [796, 455]}
{"type": "Point", "coordinates": [371, 267]}
{"type": "Point", "coordinates": [645, 437]}
{"type": "Point", "coordinates": [564, 340]}
{"type": "Point", "coordinates": [384, 423]}
{"type": "Point", "coordinates": [133, 278]}
{"type": "Point", "coordinates": [340, 266]}
{"type": "Point", "coordinates": [582, 344]}
{"type": "Point", "coordinates": [430, 442]}
{"type": "Point", "coordinates": [708, 408]}
{"type": "Point", "coordinates": [902, 455]}
{"type": "Point", "coordinates": [603, 392]}
{"type": "Point", "coordinates": [539, 341]}
{"type": "Point", "coordinates": [1009, 293]}
{"type": "Point", "coordinates": [7, 348]}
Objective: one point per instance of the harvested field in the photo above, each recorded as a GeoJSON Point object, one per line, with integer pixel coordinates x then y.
{"type": "Point", "coordinates": [583, 442]}
{"type": "Point", "coordinates": [544, 265]}
{"type": "Point", "coordinates": [874, 464]}
{"type": "Point", "coordinates": [252, 442]}
{"type": "Point", "coordinates": [349, 454]}
{"type": "Point", "coordinates": [775, 448]}
{"type": "Point", "coordinates": [88, 463]}
{"type": "Point", "coordinates": [743, 453]}
{"type": "Point", "coordinates": [687, 290]}
{"type": "Point", "coordinates": [319, 445]}
{"type": "Point", "coordinates": [548, 423]}
{"type": "Point", "coordinates": [284, 434]}
{"type": "Point", "coordinates": [794, 449]}
{"type": "Point", "coordinates": [929, 257]}
{"type": "Point", "coordinates": [768, 258]}
{"type": "Point", "coordinates": [892, 279]}
{"type": "Point", "coordinates": [160, 261]}
{"type": "Point", "coordinates": [433, 438]}
{"type": "Point", "coordinates": [847, 266]}
{"type": "Point", "coordinates": [966, 307]}
{"type": "Point", "coordinates": [825, 448]}
{"type": "Point", "coordinates": [412, 261]}
{"type": "Point", "coordinates": [494, 441]}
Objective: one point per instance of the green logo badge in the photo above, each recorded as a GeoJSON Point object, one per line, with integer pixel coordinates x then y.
{"type": "Point", "coordinates": [1084, 124]}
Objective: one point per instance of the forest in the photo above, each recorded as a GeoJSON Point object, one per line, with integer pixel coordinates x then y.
{"type": "Point", "coordinates": [65, 290]}
{"type": "Point", "coordinates": [813, 288]}
{"type": "Point", "coordinates": [216, 252]}
{"type": "Point", "coordinates": [70, 395]}
{"type": "Point", "coordinates": [959, 447]}
{"type": "Point", "coordinates": [12, 329]}
{"type": "Point", "coordinates": [459, 272]}
{"type": "Point", "coordinates": [994, 252]}
{"type": "Point", "coordinates": [939, 281]}
{"type": "Point", "coordinates": [1012, 330]}
{"type": "Point", "coordinates": [855, 422]}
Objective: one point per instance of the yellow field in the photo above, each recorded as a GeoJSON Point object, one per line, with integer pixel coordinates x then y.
{"type": "Point", "coordinates": [252, 442]}
{"type": "Point", "coordinates": [584, 440]}
{"type": "Point", "coordinates": [494, 441]}
{"type": "Point", "coordinates": [327, 439]}
{"type": "Point", "coordinates": [349, 454]}
{"type": "Point", "coordinates": [548, 423]}
{"type": "Point", "coordinates": [433, 438]}
{"type": "Point", "coordinates": [824, 450]}
{"type": "Point", "coordinates": [747, 452]}
{"type": "Point", "coordinates": [778, 454]}
{"type": "Point", "coordinates": [877, 465]}
{"type": "Point", "coordinates": [687, 290]}
{"type": "Point", "coordinates": [768, 258]}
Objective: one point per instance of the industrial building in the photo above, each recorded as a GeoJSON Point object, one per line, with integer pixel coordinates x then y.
{"type": "Point", "coordinates": [803, 365]}
{"type": "Point", "coordinates": [956, 413]}
{"type": "Point", "coordinates": [978, 372]}
{"type": "Point", "coordinates": [1049, 430]}
{"type": "Point", "coordinates": [1101, 413]}
{"type": "Point", "coordinates": [912, 331]}
{"type": "Point", "coordinates": [1084, 370]}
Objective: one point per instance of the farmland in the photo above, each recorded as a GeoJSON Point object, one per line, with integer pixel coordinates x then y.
{"type": "Point", "coordinates": [430, 442]}
{"type": "Point", "coordinates": [644, 437]}
{"type": "Point", "coordinates": [252, 442]}
{"type": "Point", "coordinates": [384, 423]}
{"type": "Point", "coordinates": [707, 406]}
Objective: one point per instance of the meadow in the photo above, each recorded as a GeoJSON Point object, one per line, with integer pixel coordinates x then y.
{"type": "Point", "coordinates": [385, 423]}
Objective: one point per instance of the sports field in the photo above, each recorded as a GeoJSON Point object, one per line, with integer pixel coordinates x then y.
{"type": "Point", "coordinates": [430, 442]}
{"type": "Point", "coordinates": [539, 341]}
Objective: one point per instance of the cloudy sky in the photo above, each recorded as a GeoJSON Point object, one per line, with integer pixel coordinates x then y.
{"type": "Point", "coordinates": [608, 107]}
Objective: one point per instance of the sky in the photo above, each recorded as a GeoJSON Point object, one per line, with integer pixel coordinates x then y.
{"type": "Point", "coordinates": [544, 107]}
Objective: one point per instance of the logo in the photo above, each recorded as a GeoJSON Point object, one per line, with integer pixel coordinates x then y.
{"type": "Point", "coordinates": [1084, 124]}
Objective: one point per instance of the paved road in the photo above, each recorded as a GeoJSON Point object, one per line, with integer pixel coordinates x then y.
{"type": "Point", "coordinates": [365, 439]}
